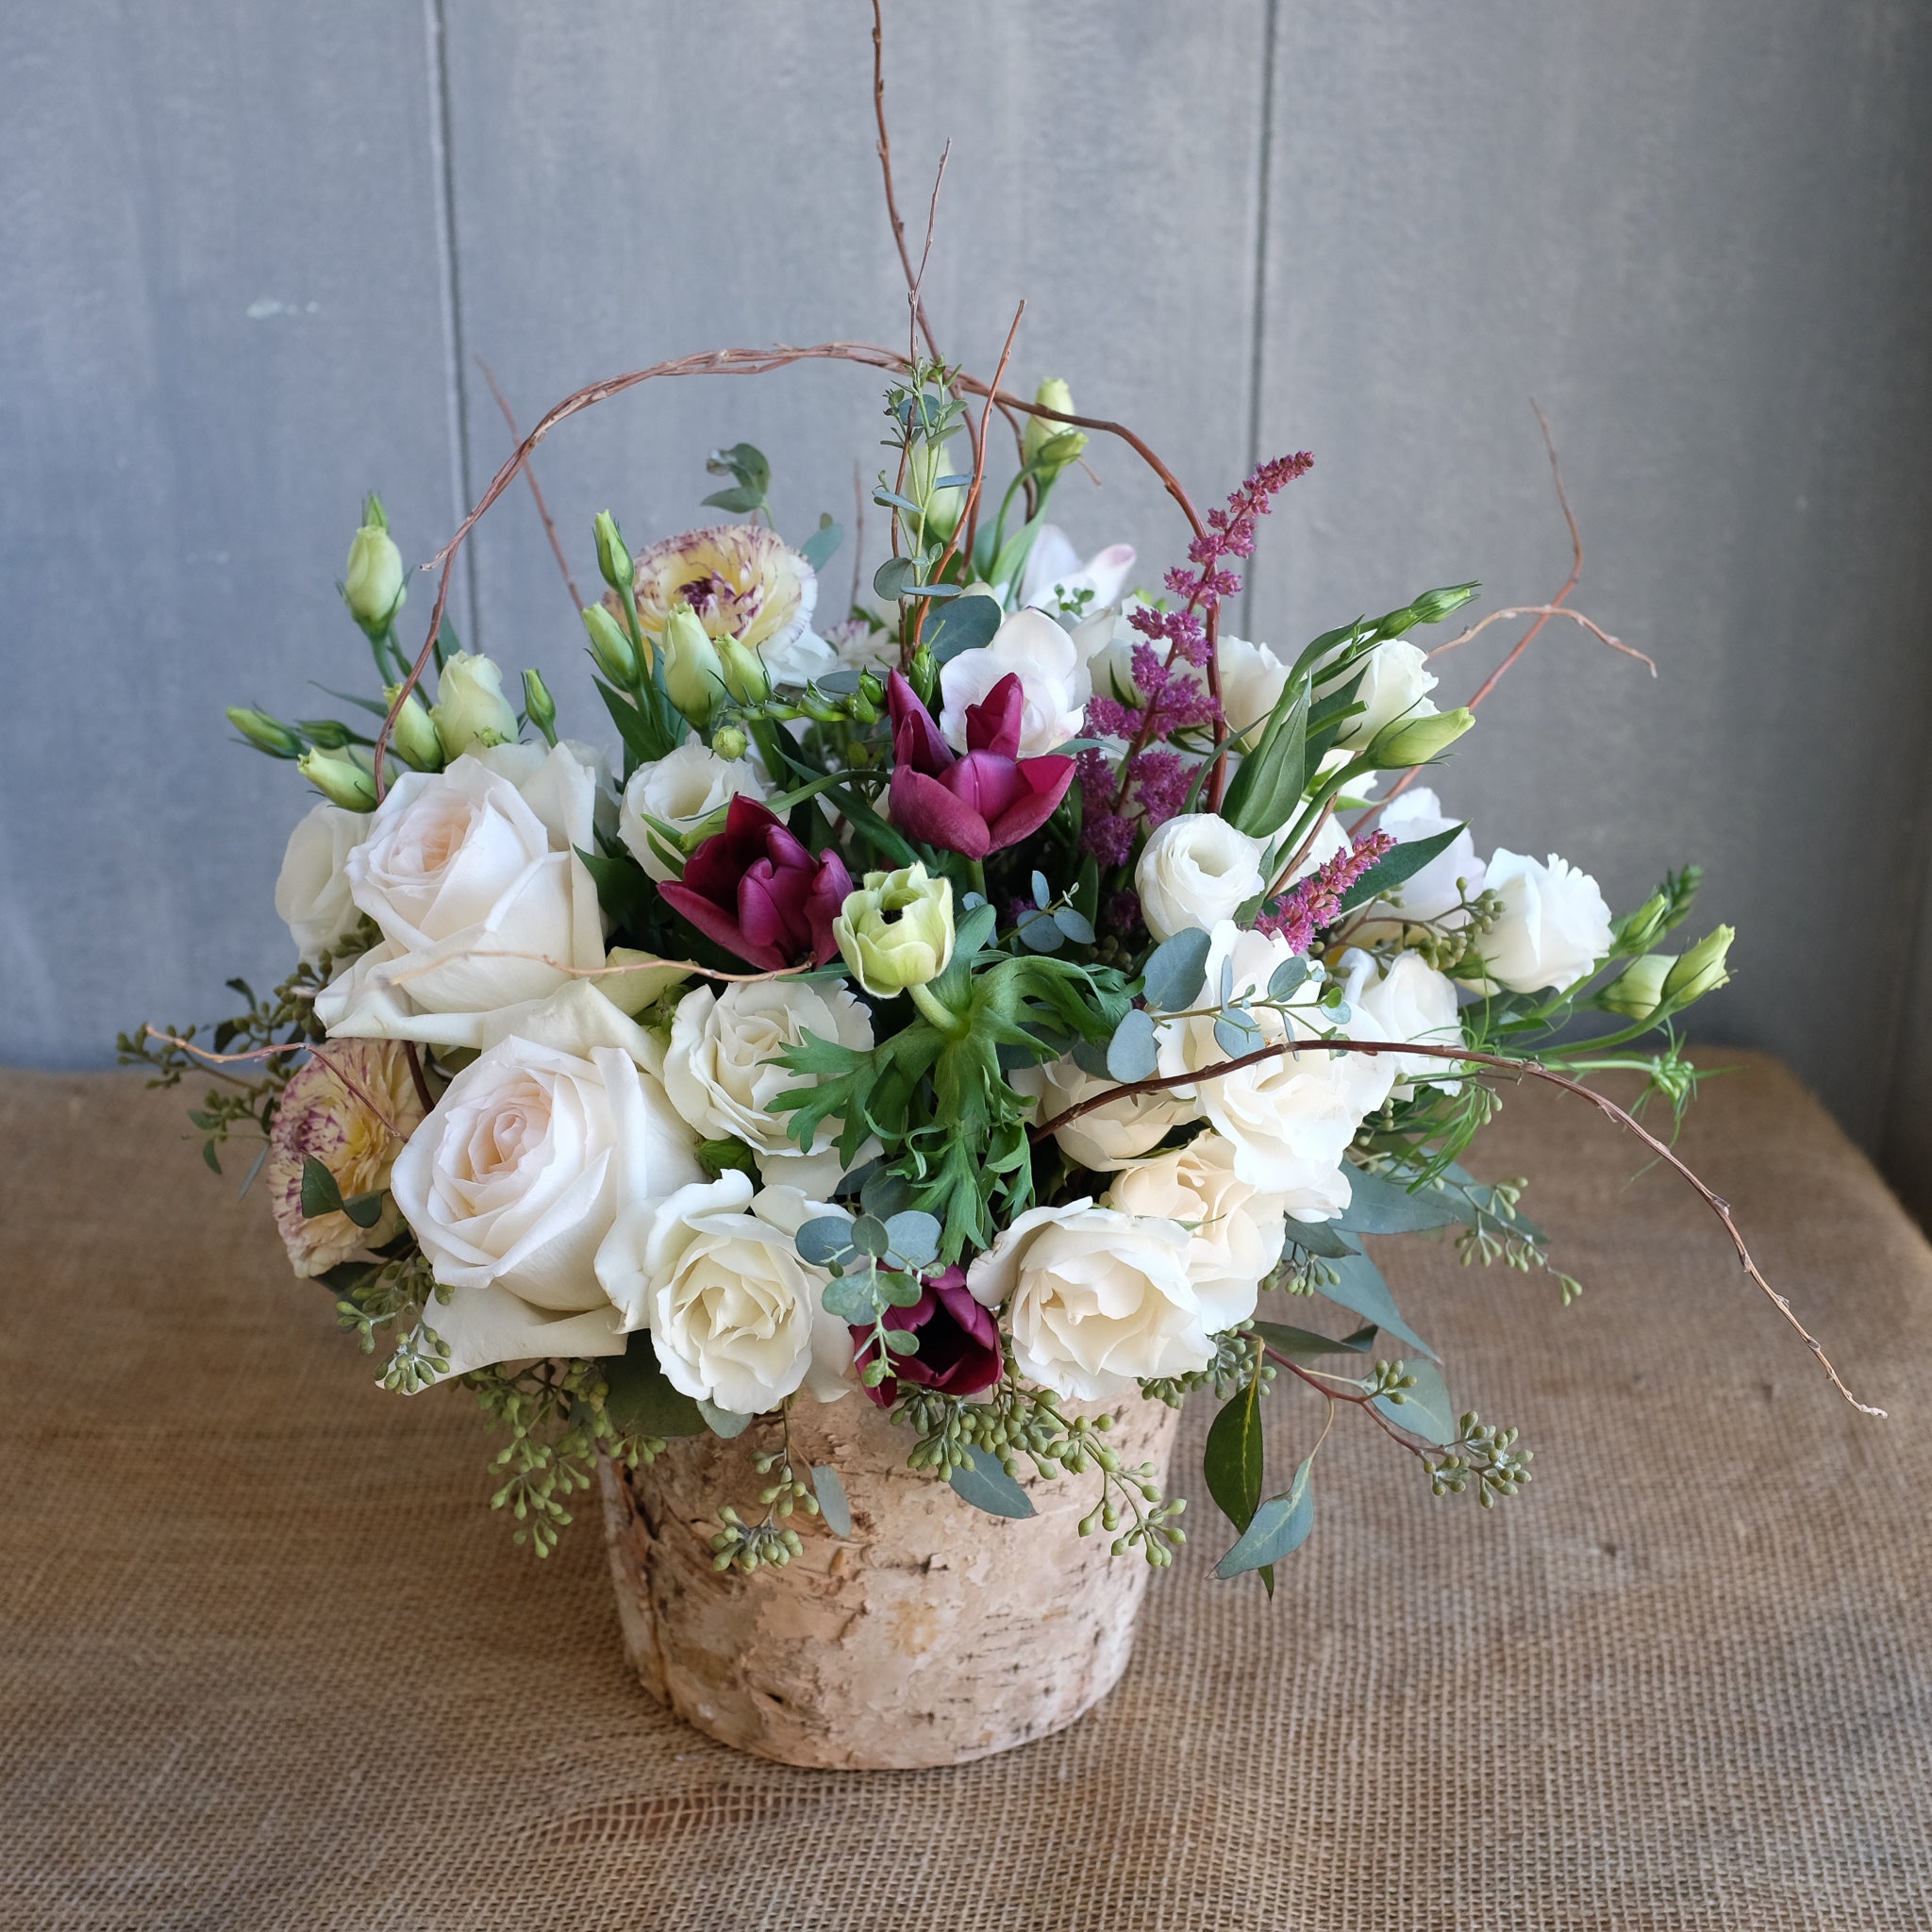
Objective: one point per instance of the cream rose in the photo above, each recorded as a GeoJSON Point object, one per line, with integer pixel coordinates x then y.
{"type": "Point", "coordinates": [312, 893]}
{"type": "Point", "coordinates": [735, 1315]}
{"type": "Point", "coordinates": [683, 789]}
{"type": "Point", "coordinates": [1554, 926]}
{"type": "Point", "coordinates": [1032, 646]}
{"type": "Point", "coordinates": [721, 1071]}
{"type": "Point", "coordinates": [1095, 1299]}
{"type": "Point", "coordinates": [1111, 1135]}
{"type": "Point", "coordinates": [1197, 870]}
{"type": "Point", "coordinates": [1407, 1000]}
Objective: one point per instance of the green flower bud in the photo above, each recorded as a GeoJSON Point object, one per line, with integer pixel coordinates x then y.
{"type": "Point", "coordinates": [1702, 969]}
{"type": "Point", "coordinates": [926, 464]}
{"type": "Point", "coordinates": [265, 733]}
{"type": "Point", "coordinates": [340, 779]}
{"type": "Point", "coordinates": [1049, 446]}
{"type": "Point", "coordinates": [471, 710]}
{"type": "Point", "coordinates": [1639, 990]}
{"type": "Point", "coordinates": [1638, 928]}
{"type": "Point", "coordinates": [540, 705]}
{"type": "Point", "coordinates": [1416, 741]}
{"type": "Point", "coordinates": [613, 560]}
{"type": "Point", "coordinates": [414, 736]}
{"type": "Point", "coordinates": [373, 579]}
{"type": "Point", "coordinates": [730, 742]}
{"type": "Point", "coordinates": [694, 672]}
{"type": "Point", "coordinates": [744, 673]}
{"type": "Point", "coordinates": [1432, 606]}
{"type": "Point", "coordinates": [896, 930]}
{"type": "Point", "coordinates": [611, 649]}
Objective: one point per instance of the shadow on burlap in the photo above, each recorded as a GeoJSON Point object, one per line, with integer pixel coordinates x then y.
{"type": "Point", "coordinates": [267, 1662]}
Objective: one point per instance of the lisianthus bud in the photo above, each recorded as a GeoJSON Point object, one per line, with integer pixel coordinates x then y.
{"type": "Point", "coordinates": [372, 578]}
{"type": "Point", "coordinates": [1416, 741]}
{"type": "Point", "coordinates": [1637, 929]}
{"type": "Point", "coordinates": [471, 710]}
{"type": "Point", "coordinates": [613, 560]}
{"type": "Point", "coordinates": [540, 705]}
{"type": "Point", "coordinates": [924, 465]}
{"type": "Point", "coordinates": [612, 652]}
{"type": "Point", "coordinates": [730, 742]}
{"type": "Point", "coordinates": [1702, 969]}
{"type": "Point", "coordinates": [265, 733]}
{"type": "Point", "coordinates": [1432, 606]}
{"type": "Point", "coordinates": [694, 672]}
{"type": "Point", "coordinates": [340, 779]}
{"type": "Point", "coordinates": [1639, 990]}
{"type": "Point", "coordinates": [414, 736]}
{"type": "Point", "coordinates": [1048, 445]}
{"type": "Point", "coordinates": [896, 930]}
{"type": "Point", "coordinates": [743, 670]}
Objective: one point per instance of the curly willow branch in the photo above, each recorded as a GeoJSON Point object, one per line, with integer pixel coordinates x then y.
{"type": "Point", "coordinates": [1498, 1063]}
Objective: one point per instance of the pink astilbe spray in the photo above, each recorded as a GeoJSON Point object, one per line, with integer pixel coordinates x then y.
{"type": "Point", "coordinates": [1315, 902]}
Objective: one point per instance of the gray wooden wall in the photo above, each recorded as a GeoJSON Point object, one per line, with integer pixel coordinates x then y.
{"type": "Point", "coordinates": [249, 255]}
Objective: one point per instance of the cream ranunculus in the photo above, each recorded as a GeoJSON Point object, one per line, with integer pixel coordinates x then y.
{"type": "Point", "coordinates": [721, 1071]}
{"type": "Point", "coordinates": [1235, 1231]}
{"type": "Point", "coordinates": [682, 790]}
{"type": "Point", "coordinates": [471, 710]}
{"type": "Point", "coordinates": [1111, 1135]}
{"type": "Point", "coordinates": [742, 582]}
{"type": "Point", "coordinates": [1033, 647]}
{"type": "Point", "coordinates": [1395, 683]}
{"type": "Point", "coordinates": [312, 889]}
{"type": "Point", "coordinates": [1554, 926]}
{"type": "Point", "coordinates": [1095, 1299]}
{"type": "Point", "coordinates": [474, 884]}
{"type": "Point", "coordinates": [1290, 1118]}
{"type": "Point", "coordinates": [515, 1179]}
{"type": "Point", "coordinates": [1197, 870]}
{"type": "Point", "coordinates": [1407, 1000]}
{"type": "Point", "coordinates": [735, 1315]}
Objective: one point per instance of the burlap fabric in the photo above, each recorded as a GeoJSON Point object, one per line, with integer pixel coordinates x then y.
{"type": "Point", "coordinates": [269, 1663]}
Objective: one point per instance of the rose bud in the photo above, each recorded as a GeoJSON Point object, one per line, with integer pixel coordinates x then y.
{"type": "Point", "coordinates": [958, 1342]}
{"type": "Point", "coordinates": [897, 931]}
{"type": "Point", "coordinates": [759, 892]}
{"type": "Point", "coordinates": [471, 711]}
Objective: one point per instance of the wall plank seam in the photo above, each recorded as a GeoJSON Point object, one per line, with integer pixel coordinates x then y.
{"type": "Point", "coordinates": [1264, 147]}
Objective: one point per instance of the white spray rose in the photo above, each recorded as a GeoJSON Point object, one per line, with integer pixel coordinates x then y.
{"type": "Point", "coordinates": [1235, 1231]}
{"type": "Point", "coordinates": [313, 888]}
{"type": "Point", "coordinates": [515, 1179]}
{"type": "Point", "coordinates": [1111, 1135]}
{"type": "Point", "coordinates": [1052, 676]}
{"type": "Point", "coordinates": [721, 1073]}
{"type": "Point", "coordinates": [1095, 1299]}
{"type": "Point", "coordinates": [735, 1315]}
{"type": "Point", "coordinates": [1197, 870]}
{"type": "Point", "coordinates": [1554, 926]}
{"type": "Point", "coordinates": [1290, 1118]}
{"type": "Point", "coordinates": [1395, 683]}
{"type": "Point", "coordinates": [1055, 571]}
{"type": "Point", "coordinates": [1407, 1000]}
{"type": "Point", "coordinates": [682, 790]}
{"type": "Point", "coordinates": [471, 710]}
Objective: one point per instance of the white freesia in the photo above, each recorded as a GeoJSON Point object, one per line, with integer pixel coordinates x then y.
{"type": "Point", "coordinates": [1395, 683]}
{"type": "Point", "coordinates": [471, 710]}
{"type": "Point", "coordinates": [474, 884]}
{"type": "Point", "coordinates": [1235, 1231]}
{"type": "Point", "coordinates": [1111, 1135]}
{"type": "Point", "coordinates": [515, 1179]}
{"type": "Point", "coordinates": [1055, 573]}
{"type": "Point", "coordinates": [1407, 1000]}
{"type": "Point", "coordinates": [1095, 1299]}
{"type": "Point", "coordinates": [1104, 642]}
{"type": "Point", "coordinates": [1290, 1118]}
{"type": "Point", "coordinates": [313, 888]}
{"type": "Point", "coordinates": [1434, 893]}
{"type": "Point", "coordinates": [1052, 677]}
{"type": "Point", "coordinates": [1554, 926]}
{"type": "Point", "coordinates": [735, 1316]}
{"type": "Point", "coordinates": [682, 790]}
{"type": "Point", "coordinates": [1197, 870]}
{"type": "Point", "coordinates": [721, 1073]}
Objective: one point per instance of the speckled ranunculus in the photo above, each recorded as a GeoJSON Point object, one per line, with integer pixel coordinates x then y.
{"type": "Point", "coordinates": [744, 582]}
{"type": "Point", "coordinates": [351, 1105]}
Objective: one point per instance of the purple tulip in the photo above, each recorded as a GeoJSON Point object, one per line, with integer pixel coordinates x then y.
{"type": "Point", "coordinates": [984, 802]}
{"type": "Point", "coordinates": [958, 1342]}
{"type": "Point", "coordinates": [758, 891]}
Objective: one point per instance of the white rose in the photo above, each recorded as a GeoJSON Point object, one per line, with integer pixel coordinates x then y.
{"type": "Point", "coordinates": [721, 1071]}
{"type": "Point", "coordinates": [1111, 1135]}
{"type": "Point", "coordinates": [1433, 893]}
{"type": "Point", "coordinates": [1395, 683]}
{"type": "Point", "coordinates": [1407, 1000]}
{"type": "Point", "coordinates": [682, 790]}
{"type": "Point", "coordinates": [1197, 870]}
{"type": "Point", "coordinates": [1553, 926]}
{"type": "Point", "coordinates": [515, 1180]}
{"type": "Point", "coordinates": [481, 900]}
{"type": "Point", "coordinates": [553, 791]}
{"type": "Point", "coordinates": [313, 888]}
{"type": "Point", "coordinates": [735, 1315]}
{"type": "Point", "coordinates": [1290, 1118]}
{"type": "Point", "coordinates": [1252, 681]}
{"type": "Point", "coordinates": [1052, 677]}
{"type": "Point", "coordinates": [1096, 1299]}
{"type": "Point", "coordinates": [1055, 572]}
{"type": "Point", "coordinates": [471, 710]}
{"type": "Point", "coordinates": [1235, 1232]}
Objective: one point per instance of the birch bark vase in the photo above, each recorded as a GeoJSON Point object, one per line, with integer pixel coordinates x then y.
{"type": "Point", "coordinates": [933, 1634]}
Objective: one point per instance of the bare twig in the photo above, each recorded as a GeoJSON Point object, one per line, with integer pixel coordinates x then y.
{"type": "Point", "coordinates": [576, 601]}
{"type": "Point", "coordinates": [916, 320]}
{"type": "Point", "coordinates": [223, 1060]}
{"type": "Point", "coordinates": [1542, 612]}
{"type": "Point", "coordinates": [885, 154]}
{"type": "Point", "coordinates": [401, 976]}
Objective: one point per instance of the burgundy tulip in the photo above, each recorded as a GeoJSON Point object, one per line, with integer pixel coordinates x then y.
{"type": "Point", "coordinates": [990, 798]}
{"type": "Point", "coordinates": [958, 1342]}
{"type": "Point", "coordinates": [759, 892]}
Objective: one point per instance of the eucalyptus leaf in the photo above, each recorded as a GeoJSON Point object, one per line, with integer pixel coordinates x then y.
{"type": "Point", "coordinates": [1280, 1527]}
{"type": "Point", "coordinates": [978, 927]}
{"type": "Point", "coordinates": [1303, 1345]}
{"type": "Point", "coordinates": [1130, 1053]}
{"type": "Point", "coordinates": [1286, 979]}
{"type": "Point", "coordinates": [850, 1298]}
{"type": "Point", "coordinates": [1236, 1033]}
{"type": "Point", "coordinates": [869, 1235]}
{"type": "Point", "coordinates": [1377, 1205]}
{"type": "Point", "coordinates": [1176, 970]}
{"type": "Point", "coordinates": [892, 577]}
{"type": "Point", "coordinates": [1362, 1292]}
{"type": "Point", "coordinates": [1232, 1463]}
{"type": "Point", "coordinates": [823, 544]}
{"type": "Point", "coordinates": [1321, 1238]}
{"type": "Point", "coordinates": [828, 1486]}
{"type": "Point", "coordinates": [1074, 925]}
{"type": "Point", "coordinates": [914, 1237]}
{"type": "Point", "coordinates": [884, 1194]}
{"type": "Point", "coordinates": [724, 1423]}
{"type": "Point", "coordinates": [825, 1239]}
{"type": "Point", "coordinates": [1040, 933]}
{"type": "Point", "coordinates": [1424, 1410]}
{"type": "Point", "coordinates": [640, 1400]}
{"type": "Point", "coordinates": [988, 1487]}
{"type": "Point", "coordinates": [1404, 862]}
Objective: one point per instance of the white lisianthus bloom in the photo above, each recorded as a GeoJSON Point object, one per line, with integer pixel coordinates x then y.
{"type": "Point", "coordinates": [1111, 1135]}
{"type": "Point", "coordinates": [1235, 1230]}
{"type": "Point", "coordinates": [1053, 680]}
{"type": "Point", "coordinates": [1290, 1118]}
{"type": "Point", "coordinates": [1252, 681]}
{"type": "Point", "coordinates": [474, 884]}
{"type": "Point", "coordinates": [1554, 926]}
{"type": "Point", "coordinates": [471, 710]}
{"type": "Point", "coordinates": [683, 789]}
{"type": "Point", "coordinates": [515, 1179]}
{"type": "Point", "coordinates": [1197, 870]}
{"type": "Point", "coordinates": [1055, 573]}
{"type": "Point", "coordinates": [312, 889]}
{"type": "Point", "coordinates": [1433, 893]}
{"type": "Point", "coordinates": [1407, 1000]}
{"type": "Point", "coordinates": [721, 1071]}
{"type": "Point", "coordinates": [734, 1314]}
{"type": "Point", "coordinates": [1395, 683]}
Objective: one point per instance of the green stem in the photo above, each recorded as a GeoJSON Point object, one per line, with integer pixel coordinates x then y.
{"type": "Point", "coordinates": [940, 1016]}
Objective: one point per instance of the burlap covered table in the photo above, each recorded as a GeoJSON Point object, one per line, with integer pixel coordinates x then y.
{"type": "Point", "coordinates": [269, 1663]}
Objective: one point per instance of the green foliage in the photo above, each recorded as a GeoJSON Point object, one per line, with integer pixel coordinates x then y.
{"type": "Point", "coordinates": [1483, 1454]}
